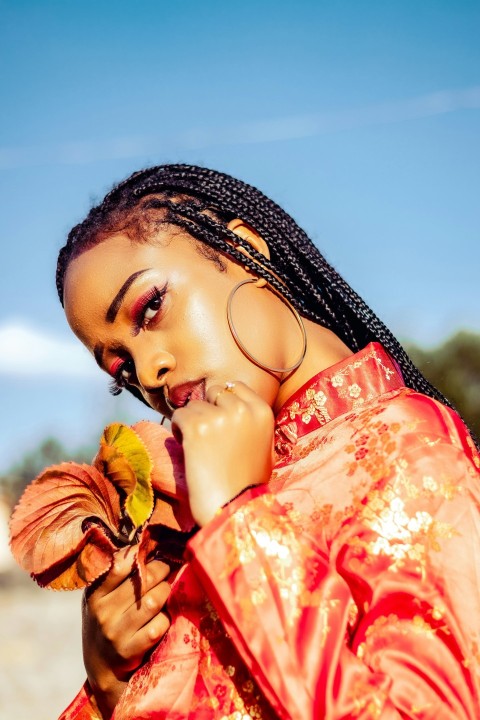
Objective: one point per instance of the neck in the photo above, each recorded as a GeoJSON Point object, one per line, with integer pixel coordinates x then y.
{"type": "Point", "coordinates": [324, 349]}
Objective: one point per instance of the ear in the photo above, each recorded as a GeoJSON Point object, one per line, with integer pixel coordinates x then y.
{"type": "Point", "coordinates": [246, 232]}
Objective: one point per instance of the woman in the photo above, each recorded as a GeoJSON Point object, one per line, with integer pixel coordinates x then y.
{"type": "Point", "coordinates": [339, 542]}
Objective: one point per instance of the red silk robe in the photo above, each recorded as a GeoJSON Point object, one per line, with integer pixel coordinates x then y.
{"type": "Point", "coordinates": [348, 587]}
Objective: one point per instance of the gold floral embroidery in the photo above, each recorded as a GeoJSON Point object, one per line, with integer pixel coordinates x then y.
{"type": "Point", "coordinates": [418, 625]}
{"type": "Point", "coordinates": [313, 406]}
{"type": "Point", "coordinates": [337, 380]}
{"type": "Point", "coordinates": [354, 390]}
{"type": "Point", "coordinates": [438, 612]}
{"type": "Point", "coordinates": [368, 699]}
{"type": "Point", "coordinates": [399, 535]}
{"type": "Point", "coordinates": [373, 445]}
{"type": "Point", "coordinates": [293, 566]}
{"type": "Point", "coordinates": [353, 615]}
{"type": "Point", "coordinates": [349, 387]}
{"type": "Point", "coordinates": [418, 710]}
{"type": "Point", "coordinates": [235, 692]}
{"type": "Point", "coordinates": [474, 659]}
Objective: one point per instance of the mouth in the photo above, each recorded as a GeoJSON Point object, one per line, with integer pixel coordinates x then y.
{"type": "Point", "coordinates": [180, 395]}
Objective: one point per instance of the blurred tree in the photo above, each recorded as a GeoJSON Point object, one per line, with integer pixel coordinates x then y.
{"type": "Point", "coordinates": [454, 368]}
{"type": "Point", "coordinates": [48, 452]}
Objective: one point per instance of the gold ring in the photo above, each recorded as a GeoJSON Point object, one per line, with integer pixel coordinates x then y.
{"type": "Point", "coordinates": [229, 387]}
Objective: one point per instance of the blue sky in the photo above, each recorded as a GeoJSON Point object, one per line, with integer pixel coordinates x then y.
{"type": "Point", "coordinates": [361, 118]}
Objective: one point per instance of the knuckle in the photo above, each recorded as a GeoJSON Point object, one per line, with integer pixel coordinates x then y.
{"type": "Point", "coordinates": [163, 623]}
{"type": "Point", "coordinates": [110, 637]}
{"type": "Point", "coordinates": [116, 569]}
{"type": "Point", "coordinates": [157, 628]}
{"type": "Point", "coordinates": [153, 632]}
{"type": "Point", "coordinates": [157, 570]}
{"type": "Point", "coordinates": [198, 430]}
{"type": "Point", "coordinates": [122, 652]}
{"type": "Point", "coordinates": [165, 590]}
{"type": "Point", "coordinates": [150, 602]}
{"type": "Point", "coordinates": [164, 569]}
{"type": "Point", "coordinates": [241, 409]}
{"type": "Point", "coordinates": [102, 618]}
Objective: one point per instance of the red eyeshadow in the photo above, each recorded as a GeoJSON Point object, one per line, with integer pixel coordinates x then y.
{"type": "Point", "coordinates": [139, 305]}
{"type": "Point", "coordinates": [115, 366]}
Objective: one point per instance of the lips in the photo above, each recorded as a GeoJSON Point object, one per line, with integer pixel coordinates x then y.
{"type": "Point", "coordinates": [180, 395]}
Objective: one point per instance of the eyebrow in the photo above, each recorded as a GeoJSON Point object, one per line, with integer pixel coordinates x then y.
{"type": "Point", "coordinates": [98, 351]}
{"type": "Point", "coordinates": [118, 299]}
{"type": "Point", "coordinates": [98, 354]}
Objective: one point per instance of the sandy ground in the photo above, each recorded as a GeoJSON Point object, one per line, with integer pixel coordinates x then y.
{"type": "Point", "coordinates": [40, 649]}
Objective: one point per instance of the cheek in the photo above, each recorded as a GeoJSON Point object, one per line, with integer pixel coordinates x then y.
{"type": "Point", "coordinates": [257, 317]}
{"type": "Point", "coordinates": [204, 329]}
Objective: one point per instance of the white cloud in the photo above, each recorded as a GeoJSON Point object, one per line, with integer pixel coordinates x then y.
{"type": "Point", "coordinates": [25, 351]}
{"type": "Point", "coordinates": [272, 129]}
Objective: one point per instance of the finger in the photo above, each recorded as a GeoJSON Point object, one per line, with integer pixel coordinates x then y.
{"type": "Point", "coordinates": [126, 632]}
{"type": "Point", "coordinates": [121, 617]}
{"type": "Point", "coordinates": [121, 584]}
{"type": "Point", "coordinates": [261, 409]}
{"type": "Point", "coordinates": [183, 416]}
{"type": "Point", "coordinates": [131, 648]}
{"type": "Point", "coordinates": [125, 594]}
{"type": "Point", "coordinates": [122, 566]}
{"type": "Point", "coordinates": [156, 571]}
{"type": "Point", "coordinates": [149, 635]}
{"type": "Point", "coordinates": [239, 391]}
{"type": "Point", "coordinates": [152, 604]}
{"type": "Point", "coordinates": [215, 392]}
{"type": "Point", "coordinates": [222, 395]}
{"type": "Point", "coordinates": [245, 392]}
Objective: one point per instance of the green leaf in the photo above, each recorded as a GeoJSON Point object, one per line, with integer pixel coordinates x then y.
{"type": "Point", "coordinates": [125, 460]}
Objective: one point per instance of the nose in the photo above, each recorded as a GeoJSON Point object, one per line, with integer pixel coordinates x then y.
{"type": "Point", "coordinates": [152, 368]}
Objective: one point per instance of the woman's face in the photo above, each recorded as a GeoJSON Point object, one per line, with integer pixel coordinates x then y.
{"type": "Point", "coordinates": [154, 316]}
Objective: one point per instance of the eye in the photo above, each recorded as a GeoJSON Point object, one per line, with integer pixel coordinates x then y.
{"type": "Point", "coordinates": [125, 371]}
{"type": "Point", "coordinates": [151, 309]}
{"type": "Point", "coordinates": [122, 376]}
{"type": "Point", "coordinates": [147, 308]}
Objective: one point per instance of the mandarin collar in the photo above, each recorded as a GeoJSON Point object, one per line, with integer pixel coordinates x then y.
{"type": "Point", "coordinates": [338, 389]}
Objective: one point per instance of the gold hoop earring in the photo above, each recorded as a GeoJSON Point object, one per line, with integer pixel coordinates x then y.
{"type": "Point", "coordinates": [240, 344]}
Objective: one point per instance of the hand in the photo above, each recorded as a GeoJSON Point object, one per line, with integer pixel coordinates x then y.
{"type": "Point", "coordinates": [119, 628]}
{"type": "Point", "coordinates": [228, 445]}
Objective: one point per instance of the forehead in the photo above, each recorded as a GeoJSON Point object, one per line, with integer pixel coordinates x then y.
{"type": "Point", "coordinates": [94, 277]}
{"type": "Point", "coordinates": [103, 265]}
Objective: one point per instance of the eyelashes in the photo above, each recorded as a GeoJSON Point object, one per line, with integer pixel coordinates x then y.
{"type": "Point", "coordinates": [147, 307]}
{"type": "Point", "coordinates": [114, 387]}
{"type": "Point", "coordinates": [144, 311]}
{"type": "Point", "coordinates": [121, 377]}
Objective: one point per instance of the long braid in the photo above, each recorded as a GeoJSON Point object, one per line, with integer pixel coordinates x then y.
{"type": "Point", "coordinates": [201, 202]}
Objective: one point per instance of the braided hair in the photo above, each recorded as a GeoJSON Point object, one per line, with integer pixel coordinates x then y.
{"type": "Point", "coordinates": [201, 202]}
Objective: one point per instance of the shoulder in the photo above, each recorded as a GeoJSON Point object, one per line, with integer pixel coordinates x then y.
{"type": "Point", "coordinates": [415, 419]}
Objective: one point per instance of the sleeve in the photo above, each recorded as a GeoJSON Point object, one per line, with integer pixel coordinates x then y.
{"type": "Point", "coordinates": [378, 622]}
{"type": "Point", "coordinates": [83, 707]}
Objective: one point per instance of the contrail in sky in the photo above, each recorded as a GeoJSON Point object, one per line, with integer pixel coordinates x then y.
{"type": "Point", "coordinates": [269, 130]}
